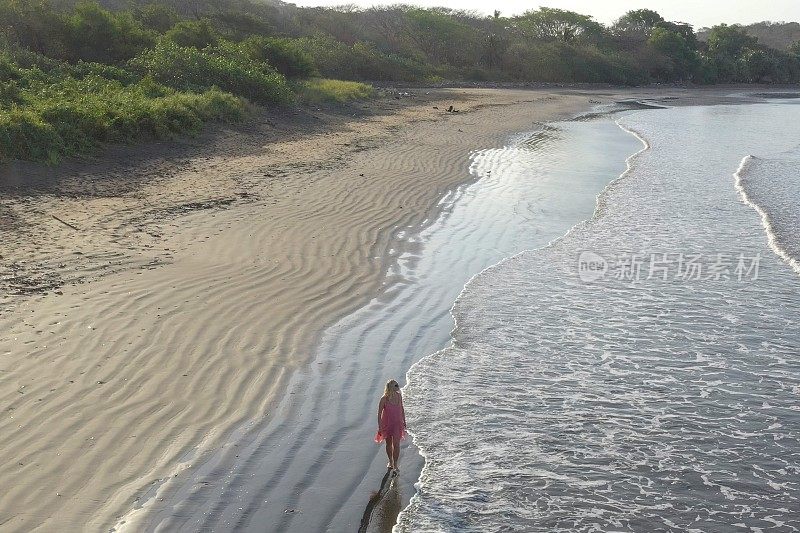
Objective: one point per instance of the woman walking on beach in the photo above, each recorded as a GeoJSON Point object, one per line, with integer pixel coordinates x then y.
{"type": "Point", "coordinates": [391, 422]}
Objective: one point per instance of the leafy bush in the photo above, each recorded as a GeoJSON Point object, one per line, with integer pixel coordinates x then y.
{"type": "Point", "coordinates": [96, 34]}
{"type": "Point", "coordinates": [156, 17]}
{"type": "Point", "coordinates": [53, 115]}
{"type": "Point", "coordinates": [285, 55]}
{"type": "Point", "coordinates": [24, 135]}
{"type": "Point", "coordinates": [681, 57]}
{"type": "Point", "coordinates": [192, 33]}
{"type": "Point", "coordinates": [361, 61]}
{"type": "Point", "coordinates": [735, 56]}
{"type": "Point", "coordinates": [84, 69]}
{"type": "Point", "coordinates": [435, 29]}
{"type": "Point", "coordinates": [559, 61]}
{"type": "Point", "coordinates": [34, 26]}
{"type": "Point", "coordinates": [402, 42]}
{"type": "Point", "coordinates": [29, 65]}
{"type": "Point", "coordinates": [9, 70]}
{"type": "Point", "coordinates": [237, 26]}
{"type": "Point", "coordinates": [9, 93]}
{"type": "Point", "coordinates": [190, 69]}
{"type": "Point", "coordinates": [321, 90]}
{"type": "Point", "coordinates": [20, 58]}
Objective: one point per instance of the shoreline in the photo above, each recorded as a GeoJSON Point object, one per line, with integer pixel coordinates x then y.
{"type": "Point", "coordinates": [481, 317]}
{"type": "Point", "coordinates": [343, 285]}
{"type": "Point", "coordinates": [330, 513]}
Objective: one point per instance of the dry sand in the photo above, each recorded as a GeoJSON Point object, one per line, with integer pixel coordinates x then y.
{"type": "Point", "coordinates": [164, 294]}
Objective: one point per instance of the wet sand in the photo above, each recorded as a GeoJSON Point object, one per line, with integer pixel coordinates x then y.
{"type": "Point", "coordinates": [161, 304]}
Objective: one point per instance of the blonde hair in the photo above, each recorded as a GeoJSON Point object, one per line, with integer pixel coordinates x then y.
{"type": "Point", "coordinates": [390, 387]}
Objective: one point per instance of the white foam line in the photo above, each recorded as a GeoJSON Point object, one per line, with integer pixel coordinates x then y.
{"type": "Point", "coordinates": [766, 221]}
{"type": "Point", "coordinates": [599, 205]}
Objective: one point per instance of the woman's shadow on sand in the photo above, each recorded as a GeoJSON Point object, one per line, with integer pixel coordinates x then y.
{"type": "Point", "coordinates": [381, 512]}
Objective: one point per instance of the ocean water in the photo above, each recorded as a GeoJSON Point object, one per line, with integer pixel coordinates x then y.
{"type": "Point", "coordinates": [642, 373]}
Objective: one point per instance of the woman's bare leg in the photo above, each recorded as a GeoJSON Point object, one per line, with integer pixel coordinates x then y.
{"type": "Point", "coordinates": [396, 453]}
{"type": "Point", "coordinates": [390, 451]}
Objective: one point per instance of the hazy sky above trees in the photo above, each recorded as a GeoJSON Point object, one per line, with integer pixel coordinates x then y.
{"type": "Point", "coordinates": [698, 13]}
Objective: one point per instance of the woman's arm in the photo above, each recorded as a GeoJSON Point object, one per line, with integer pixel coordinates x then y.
{"type": "Point", "coordinates": [380, 410]}
{"type": "Point", "coordinates": [403, 410]}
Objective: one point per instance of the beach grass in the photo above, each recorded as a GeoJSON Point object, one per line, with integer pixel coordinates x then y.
{"type": "Point", "coordinates": [51, 109]}
{"type": "Point", "coordinates": [322, 90]}
{"type": "Point", "coordinates": [45, 116]}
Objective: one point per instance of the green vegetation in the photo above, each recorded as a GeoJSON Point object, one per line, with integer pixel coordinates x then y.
{"type": "Point", "coordinates": [192, 33]}
{"type": "Point", "coordinates": [72, 80]}
{"type": "Point", "coordinates": [225, 66]}
{"type": "Point", "coordinates": [320, 90]}
{"type": "Point", "coordinates": [287, 56]}
{"type": "Point", "coordinates": [361, 61]}
{"type": "Point", "coordinates": [778, 35]}
{"type": "Point", "coordinates": [74, 75]}
{"type": "Point", "coordinates": [45, 115]}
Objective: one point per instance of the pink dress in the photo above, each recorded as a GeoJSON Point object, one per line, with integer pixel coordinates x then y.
{"type": "Point", "coordinates": [392, 421]}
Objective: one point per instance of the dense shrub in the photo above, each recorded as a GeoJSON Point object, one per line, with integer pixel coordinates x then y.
{"type": "Point", "coordinates": [24, 135]}
{"type": "Point", "coordinates": [95, 34]}
{"type": "Point", "coordinates": [436, 30]}
{"type": "Point", "coordinates": [29, 65]}
{"type": "Point", "coordinates": [20, 58]}
{"type": "Point", "coordinates": [361, 61]}
{"type": "Point", "coordinates": [675, 57]}
{"type": "Point", "coordinates": [192, 33]}
{"type": "Point", "coordinates": [71, 116]}
{"type": "Point", "coordinates": [285, 55]}
{"type": "Point", "coordinates": [10, 93]}
{"type": "Point", "coordinates": [190, 69]}
{"type": "Point", "coordinates": [34, 26]}
{"type": "Point", "coordinates": [237, 26]}
{"type": "Point", "coordinates": [156, 17]}
{"type": "Point", "coordinates": [9, 69]}
{"type": "Point", "coordinates": [557, 61]}
{"type": "Point", "coordinates": [84, 69]}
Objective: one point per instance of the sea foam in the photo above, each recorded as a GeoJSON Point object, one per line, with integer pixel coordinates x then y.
{"type": "Point", "coordinates": [631, 403]}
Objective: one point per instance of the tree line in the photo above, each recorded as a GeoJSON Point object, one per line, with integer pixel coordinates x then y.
{"type": "Point", "coordinates": [77, 74]}
{"type": "Point", "coordinates": [408, 43]}
{"type": "Point", "coordinates": [778, 35]}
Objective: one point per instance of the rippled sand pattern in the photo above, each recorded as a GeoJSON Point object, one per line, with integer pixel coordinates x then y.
{"type": "Point", "coordinates": [282, 472]}
{"type": "Point", "coordinates": [566, 405]}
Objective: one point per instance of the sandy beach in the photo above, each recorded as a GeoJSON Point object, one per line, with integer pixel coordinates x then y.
{"type": "Point", "coordinates": [161, 298]}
